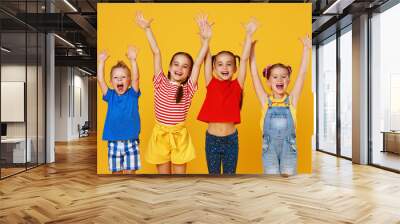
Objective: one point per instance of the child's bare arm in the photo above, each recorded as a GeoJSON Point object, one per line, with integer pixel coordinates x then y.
{"type": "Point", "coordinates": [298, 86]}
{"type": "Point", "coordinates": [251, 27]}
{"type": "Point", "coordinates": [101, 58]}
{"type": "Point", "coordinates": [146, 26]}
{"type": "Point", "coordinates": [205, 34]}
{"type": "Point", "coordinates": [258, 87]}
{"type": "Point", "coordinates": [132, 55]}
{"type": "Point", "coordinates": [208, 67]}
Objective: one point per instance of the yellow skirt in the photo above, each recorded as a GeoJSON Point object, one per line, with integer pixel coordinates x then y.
{"type": "Point", "coordinates": [170, 143]}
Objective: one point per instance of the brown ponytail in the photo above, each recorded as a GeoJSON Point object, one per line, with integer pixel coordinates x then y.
{"type": "Point", "coordinates": [179, 94]}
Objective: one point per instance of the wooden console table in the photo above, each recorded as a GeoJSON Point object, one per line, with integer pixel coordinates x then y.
{"type": "Point", "coordinates": [391, 141]}
{"type": "Point", "coordinates": [16, 147]}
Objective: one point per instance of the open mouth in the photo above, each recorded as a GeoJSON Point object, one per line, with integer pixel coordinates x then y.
{"type": "Point", "coordinates": [178, 73]}
{"type": "Point", "coordinates": [120, 87]}
{"type": "Point", "coordinates": [226, 74]}
{"type": "Point", "coordinates": [279, 86]}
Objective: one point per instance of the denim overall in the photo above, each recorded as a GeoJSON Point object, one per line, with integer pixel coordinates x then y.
{"type": "Point", "coordinates": [279, 140]}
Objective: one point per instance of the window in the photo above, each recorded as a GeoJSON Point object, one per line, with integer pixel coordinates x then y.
{"type": "Point", "coordinates": [346, 94]}
{"type": "Point", "coordinates": [327, 96]}
{"type": "Point", "coordinates": [385, 87]}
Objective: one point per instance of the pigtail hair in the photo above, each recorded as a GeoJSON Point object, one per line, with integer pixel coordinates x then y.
{"type": "Point", "coordinates": [289, 68]}
{"type": "Point", "coordinates": [179, 94]}
{"type": "Point", "coordinates": [237, 57]}
{"type": "Point", "coordinates": [241, 100]}
{"type": "Point", "coordinates": [213, 58]}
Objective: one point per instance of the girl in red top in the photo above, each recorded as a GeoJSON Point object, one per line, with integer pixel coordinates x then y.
{"type": "Point", "coordinates": [221, 108]}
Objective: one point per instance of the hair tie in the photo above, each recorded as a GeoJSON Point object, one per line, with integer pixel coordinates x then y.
{"type": "Point", "coordinates": [266, 69]}
{"type": "Point", "coordinates": [289, 69]}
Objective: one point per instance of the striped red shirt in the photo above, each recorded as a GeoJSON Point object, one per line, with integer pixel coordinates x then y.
{"type": "Point", "coordinates": [166, 109]}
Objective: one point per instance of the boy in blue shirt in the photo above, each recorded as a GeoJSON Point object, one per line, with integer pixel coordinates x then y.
{"type": "Point", "coordinates": [122, 125]}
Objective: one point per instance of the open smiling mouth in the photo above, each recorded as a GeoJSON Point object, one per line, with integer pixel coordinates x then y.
{"type": "Point", "coordinates": [120, 87]}
{"type": "Point", "coordinates": [279, 86]}
{"type": "Point", "coordinates": [226, 74]}
{"type": "Point", "coordinates": [178, 73]}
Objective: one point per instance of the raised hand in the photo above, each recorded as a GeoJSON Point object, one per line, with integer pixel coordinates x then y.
{"type": "Point", "coordinates": [132, 52]}
{"type": "Point", "coordinates": [306, 41]}
{"type": "Point", "coordinates": [298, 85]}
{"type": "Point", "coordinates": [204, 26]}
{"type": "Point", "coordinates": [141, 21]}
{"type": "Point", "coordinates": [262, 95]}
{"type": "Point", "coordinates": [205, 34]}
{"type": "Point", "coordinates": [251, 26]}
{"type": "Point", "coordinates": [102, 56]}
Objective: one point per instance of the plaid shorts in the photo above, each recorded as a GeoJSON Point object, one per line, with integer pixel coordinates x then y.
{"type": "Point", "coordinates": [123, 155]}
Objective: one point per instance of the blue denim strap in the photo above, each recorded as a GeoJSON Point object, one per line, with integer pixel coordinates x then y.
{"type": "Point", "coordinates": [269, 102]}
{"type": "Point", "coordinates": [287, 102]}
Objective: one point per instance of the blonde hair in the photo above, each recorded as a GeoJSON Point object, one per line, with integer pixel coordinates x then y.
{"type": "Point", "coordinates": [121, 64]}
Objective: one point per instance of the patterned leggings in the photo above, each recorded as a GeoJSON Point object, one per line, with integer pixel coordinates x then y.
{"type": "Point", "coordinates": [222, 150]}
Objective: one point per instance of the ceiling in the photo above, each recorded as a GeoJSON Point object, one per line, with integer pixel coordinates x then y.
{"type": "Point", "coordinates": [76, 22]}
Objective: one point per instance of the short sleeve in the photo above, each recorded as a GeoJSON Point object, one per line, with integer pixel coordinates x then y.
{"type": "Point", "coordinates": [108, 95]}
{"type": "Point", "coordinates": [159, 79]}
{"type": "Point", "coordinates": [134, 93]}
{"type": "Point", "coordinates": [138, 93]}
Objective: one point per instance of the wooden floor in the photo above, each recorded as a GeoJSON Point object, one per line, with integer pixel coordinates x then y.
{"type": "Point", "coordinates": [69, 191]}
{"type": "Point", "coordinates": [5, 172]}
{"type": "Point", "coordinates": [387, 159]}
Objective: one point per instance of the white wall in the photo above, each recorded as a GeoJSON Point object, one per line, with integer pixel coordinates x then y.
{"type": "Point", "coordinates": [13, 73]}
{"type": "Point", "coordinates": [34, 124]}
{"type": "Point", "coordinates": [61, 103]}
{"type": "Point", "coordinates": [80, 110]}
{"type": "Point", "coordinates": [71, 102]}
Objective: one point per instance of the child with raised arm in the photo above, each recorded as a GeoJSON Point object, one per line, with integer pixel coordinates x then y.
{"type": "Point", "coordinates": [170, 146]}
{"type": "Point", "coordinates": [278, 121]}
{"type": "Point", "coordinates": [222, 105]}
{"type": "Point", "coordinates": [122, 125]}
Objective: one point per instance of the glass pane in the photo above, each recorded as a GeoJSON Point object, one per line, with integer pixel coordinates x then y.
{"type": "Point", "coordinates": [346, 94]}
{"type": "Point", "coordinates": [327, 96]}
{"type": "Point", "coordinates": [41, 98]}
{"type": "Point", "coordinates": [13, 86]}
{"type": "Point", "coordinates": [33, 7]}
{"type": "Point", "coordinates": [31, 98]}
{"type": "Point", "coordinates": [385, 86]}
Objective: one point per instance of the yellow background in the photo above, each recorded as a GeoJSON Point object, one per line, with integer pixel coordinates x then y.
{"type": "Point", "coordinates": [175, 30]}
